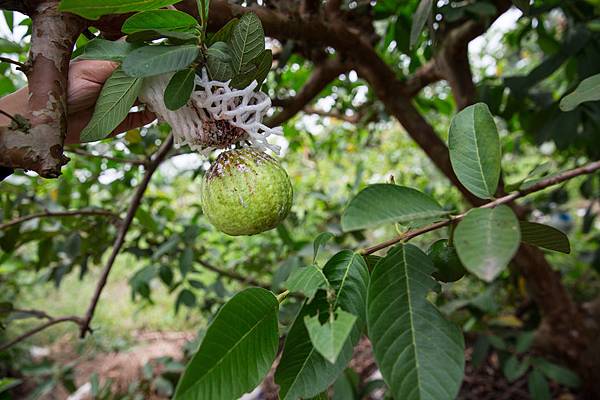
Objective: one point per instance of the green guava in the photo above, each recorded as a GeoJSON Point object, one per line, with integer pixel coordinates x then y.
{"type": "Point", "coordinates": [246, 192]}
{"type": "Point", "coordinates": [446, 261]}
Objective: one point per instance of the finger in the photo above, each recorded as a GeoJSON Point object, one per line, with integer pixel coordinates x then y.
{"type": "Point", "coordinates": [135, 120]}
{"type": "Point", "coordinates": [86, 78]}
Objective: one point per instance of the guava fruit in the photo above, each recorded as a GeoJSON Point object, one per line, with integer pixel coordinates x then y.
{"type": "Point", "coordinates": [246, 192]}
{"type": "Point", "coordinates": [446, 261]}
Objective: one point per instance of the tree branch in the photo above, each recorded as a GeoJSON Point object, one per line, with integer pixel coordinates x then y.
{"type": "Point", "coordinates": [323, 74]}
{"type": "Point", "coordinates": [541, 185]}
{"type": "Point", "coordinates": [40, 148]}
{"type": "Point", "coordinates": [120, 239]}
{"type": "Point", "coordinates": [232, 275]}
{"type": "Point", "coordinates": [81, 152]}
{"type": "Point", "coordinates": [35, 313]}
{"type": "Point", "coordinates": [19, 65]}
{"type": "Point", "coordinates": [47, 214]}
{"type": "Point", "coordinates": [424, 76]}
{"type": "Point", "coordinates": [39, 328]}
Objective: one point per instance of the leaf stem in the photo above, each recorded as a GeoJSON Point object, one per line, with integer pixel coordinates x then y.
{"type": "Point", "coordinates": [282, 296]}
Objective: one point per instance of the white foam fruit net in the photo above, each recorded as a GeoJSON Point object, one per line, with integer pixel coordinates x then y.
{"type": "Point", "coordinates": [216, 116]}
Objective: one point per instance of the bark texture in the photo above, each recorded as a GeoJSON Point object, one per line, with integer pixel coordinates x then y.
{"type": "Point", "coordinates": [39, 146]}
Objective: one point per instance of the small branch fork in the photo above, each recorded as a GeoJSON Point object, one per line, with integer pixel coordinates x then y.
{"type": "Point", "coordinates": [153, 164]}
{"type": "Point", "coordinates": [84, 323]}
{"type": "Point", "coordinates": [41, 327]}
{"type": "Point", "coordinates": [543, 184]}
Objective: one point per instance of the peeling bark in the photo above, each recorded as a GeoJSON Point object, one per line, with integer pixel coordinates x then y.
{"type": "Point", "coordinates": [40, 147]}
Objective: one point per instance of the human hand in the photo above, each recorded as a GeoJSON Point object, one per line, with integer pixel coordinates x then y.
{"type": "Point", "coordinates": [86, 78]}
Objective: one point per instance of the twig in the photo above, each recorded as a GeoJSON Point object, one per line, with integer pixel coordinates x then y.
{"type": "Point", "coordinates": [322, 75]}
{"type": "Point", "coordinates": [232, 275]}
{"type": "Point", "coordinates": [134, 205]}
{"type": "Point", "coordinates": [13, 119]}
{"type": "Point", "coordinates": [81, 152]}
{"type": "Point", "coordinates": [19, 64]}
{"type": "Point", "coordinates": [35, 313]}
{"type": "Point", "coordinates": [58, 214]}
{"type": "Point", "coordinates": [40, 328]}
{"type": "Point", "coordinates": [353, 119]}
{"type": "Point", "coordinates": [543, 184]}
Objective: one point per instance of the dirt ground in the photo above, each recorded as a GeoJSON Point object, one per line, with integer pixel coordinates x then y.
{"type": "Point", "coordinates": [125, 367]}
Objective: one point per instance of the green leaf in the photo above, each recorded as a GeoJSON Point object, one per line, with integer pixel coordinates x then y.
{"type": "Point", "coordinates": [186, 261]}
{"type": "Point", "coordinates": [522, 5]}
{"type": "Point", "coordinates": [420, 354]}
{"type": "Point", "coordinates": [167, 246]}
{"type": "Point", "coordinates": [245, 77]}
{"type": "Point", "coordinates": [557, 373]}
{"type": "Point", "coordinates": [302, 371]}
{"type": "Point", "coordinates": [95, 9]}
{"type": "Point", "coordinates": [146, 220]}
{"type": "Point", "coordinates": [513, 369]}
{"type": "Point", "coordinates": [247, 41]}
{"type": "Point", "coordinates": [156, 60]}
{"type": "Point", "coordinates": [474, 147]}
{"type": "Point", "coordinates": [329, 338]}
{"type": "Point", "coordinates": [114, 102]}
{"type": "Point", "coordinates": [171, 20]}
{"type": "Point", "coordinates": [481, 8]}
{"type": "Point", "coordinates": [179, 89]}
{"type": "Point", "coordinates": [203, 9]}
{"type": "Point", "coordinates": [218, 61]}
{"type": "Point", "coordinates": [538, 386]}
{"type": "Point", "coordinates": [237, 351]}
{"type": "Point", "coordinates": [224, 34]}
{"type": "Point", "coordinates": [381, 204]}
{"type": "Point", "coordinates": [306, 280]}
{"type": "Point", "coordinates": [7, 46]}
{"type": "Point", "coordinates": [175, 37]}
{"type": "Point", "coordinates": [544, 236]}
{"type": "Point", "coordinates": [185, 297]}
{"type": "Point", "coordinates": [320, 241]}
{"type": "Point", "coordinates": [587, 90]}
{"type": "Point", "coordinates": [540, 170]}
{"type": "Point", "coordinates": [344, 386]}
{"type": "Point", "coordinates": [347, 272]}
{"type": "Point", "coordinates": [480, 350]}
{"type": "Point", "coordinates": [524, 341]}
{"type": "Point", "coordinates": [486, 240]}
{"type": "Point", "coordinates": [263, 65]}
{"type": "Point", "coordinates": [10, 19]}
{"type": "Point", "coordinates": [8, 383]}
{"type": "Point", "coordinates": [101, 49]}
{"type": "Point", "coordinates": [419, 20]}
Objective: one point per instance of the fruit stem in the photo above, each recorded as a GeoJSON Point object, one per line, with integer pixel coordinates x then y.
{"type": "Point", "coordinates": [282, 296]}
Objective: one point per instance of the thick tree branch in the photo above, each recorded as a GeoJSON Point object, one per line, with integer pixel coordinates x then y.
{"type": "Point", "coordinates": [322, 76]}
{"type": "Point", "coordinates": [158, 158]}
{"type": "Point", "coordinates": [40, 148]}
{"type": "Point", "coordinates": [46, 214]}
{"type": "Point", "coordinates": [541, 185]}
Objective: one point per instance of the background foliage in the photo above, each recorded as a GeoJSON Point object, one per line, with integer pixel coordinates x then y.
{"type": "Point", "coordinates": [179, 271]}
